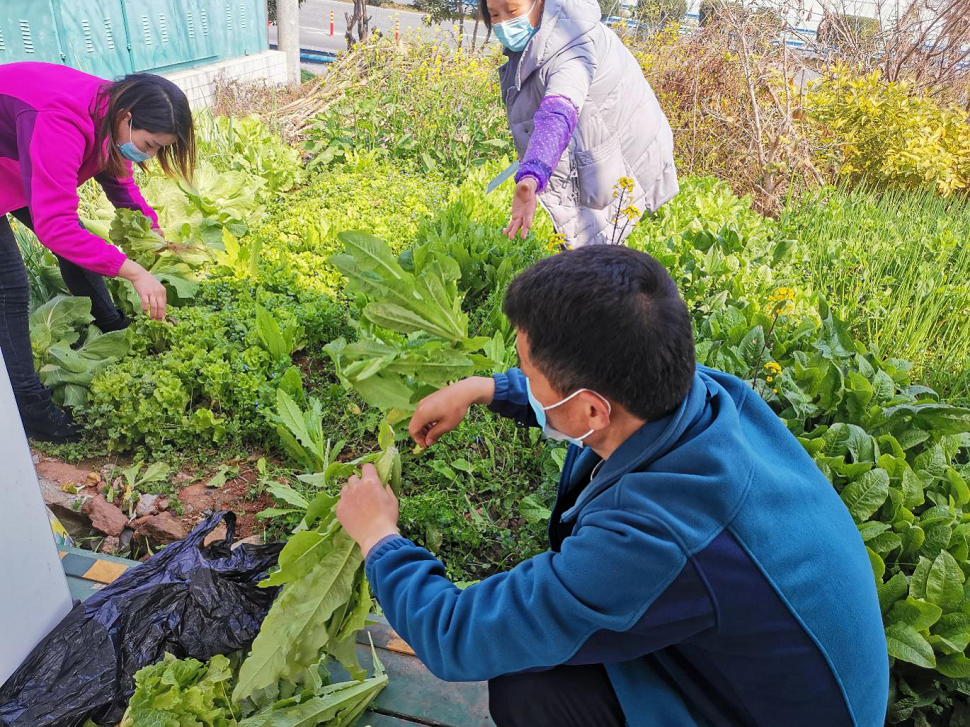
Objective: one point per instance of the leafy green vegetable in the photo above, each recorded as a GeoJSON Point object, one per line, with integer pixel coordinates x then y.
{"type": "Point", "coordinates": [185, 692]}
{"type": "Point", "coordinates": [335, 705]}
{"type": "Point", "coordinates": [280, 343]}
{"type": "Point", "coordinates": [324, 599]}
{"type": "Point", "coordinates": [176, 692]}
{"type": "Point", "coordinates": [301, 432]}
{"type": "Point", "coordinates": [136, 481]}
{"type": "Point", "coordinates": [66, 363]}
{"type": "Point", "coordinates": [413, 332]}
{"type": "Point", "coordinates": [56, 322]}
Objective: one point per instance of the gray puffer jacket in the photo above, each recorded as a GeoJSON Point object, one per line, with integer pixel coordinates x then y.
{"type": "Point", "coordinates": [621, 131]}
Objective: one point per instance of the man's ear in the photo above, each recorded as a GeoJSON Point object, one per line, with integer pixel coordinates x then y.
{"type": "Point", "coordinates": [599, 408]}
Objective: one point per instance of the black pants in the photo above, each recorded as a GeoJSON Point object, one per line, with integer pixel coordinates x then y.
{"type": "Point", "coordinates": [566, 696]}
{"type": "Point", "coordinates": [15, 304]}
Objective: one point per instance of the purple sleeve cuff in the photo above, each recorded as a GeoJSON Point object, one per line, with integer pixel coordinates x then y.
{"type": "Point", "coordinates": [555, 120]}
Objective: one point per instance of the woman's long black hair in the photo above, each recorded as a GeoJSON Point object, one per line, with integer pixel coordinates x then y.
{"type": "Point", "coordinates": [157, 105]}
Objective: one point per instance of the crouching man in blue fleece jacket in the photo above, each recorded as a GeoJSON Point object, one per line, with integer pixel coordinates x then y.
{"type": "Point", "coordinates": [701, 570]}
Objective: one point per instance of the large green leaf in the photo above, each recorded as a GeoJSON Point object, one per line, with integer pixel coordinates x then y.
{"type": "Point", "coordinates": [57, 320]}
{"type": "Point", "coordinates": [905, 643]}
{"type": "Point", "coordinates": [912, 487]}
{"type": "Point", "coordinates": [385, 392]}
{"type": "Point", "coordinates": [335, 704]}
{"type": "Point", "coordinates": [440, 368]}
{"type": "Point", "coordinates": [940, 418]}
{"type": "Point", "coordinates": [917, 583]}
{"type": "Point", "coordinates": [532, 510]}
{"type": "Point", "coordinates": [302, 552]}
{"type": "Point", "coordinates": [891, 591]}
{"type": "Point", "coordinates": [955, 628]}
{"type": "Point", "coordinates": [866, 495]}
{"type": "Point", "coordinates": [287, 494]}
{"type": "Point", "coordinates": [371, 254]}
{"type": "Point", "coordinates": [944, 582]}
{"type": "Point", "coordinates": [295, 630]}
{"type": "Point", "coordinates": [958, 486]}
{"type": "Point", "coordinates": [955, 666]}
{"type": "Point", "coordinates": [915, 612]}
{"type": "Point", "coordinates": [397, 318]}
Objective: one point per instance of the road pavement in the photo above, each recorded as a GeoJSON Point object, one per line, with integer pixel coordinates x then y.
{"type": "Point", "coordinates": [315, 25]}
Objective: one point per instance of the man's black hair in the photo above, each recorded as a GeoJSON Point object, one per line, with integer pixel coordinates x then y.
{"type": "Point", "coordinates": [606, 318]}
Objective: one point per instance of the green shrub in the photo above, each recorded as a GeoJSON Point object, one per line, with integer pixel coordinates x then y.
{"type": "Point", "coordinates": [880, 133]}
{"type": "Point", "coordinates": [432, 109]}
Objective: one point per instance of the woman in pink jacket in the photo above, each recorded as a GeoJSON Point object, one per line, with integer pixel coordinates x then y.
{"type": "Point", "coordinates": [60, 127]}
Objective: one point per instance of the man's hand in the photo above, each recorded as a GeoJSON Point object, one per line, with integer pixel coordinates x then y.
{"type": "Point", "coordinates": [442, 411]}
{"type": "Point", "coordinates": [523, 208]}
{"type": "Point", "coordinates": [367, 509]}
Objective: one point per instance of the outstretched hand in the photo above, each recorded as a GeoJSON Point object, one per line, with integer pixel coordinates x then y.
{"type": "Point", "coordinates": [523, 208]}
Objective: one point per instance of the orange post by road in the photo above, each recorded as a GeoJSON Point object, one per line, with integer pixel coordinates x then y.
{"type": "Point", "coordinates": [397, 29]}
{"type": "Point", "coordinates": [331, 22]}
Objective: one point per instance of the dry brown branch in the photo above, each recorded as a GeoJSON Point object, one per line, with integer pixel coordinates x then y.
{"type": "Point", "coordinates": [924, 42]}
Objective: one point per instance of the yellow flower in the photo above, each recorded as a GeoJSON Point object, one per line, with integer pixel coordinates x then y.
{"type": "Point", "coordinates": [632, 213]}
{"type": "Point", "coordinates": [775, 390]}
{"type": "Point", "coordinates": [772, 368]}
{"type": "Point", "coordinates": [782, 294]}
{"type": "Point", "coordinates": [556, 242]}
{"type": "Point", "coordinates": [625, 184]}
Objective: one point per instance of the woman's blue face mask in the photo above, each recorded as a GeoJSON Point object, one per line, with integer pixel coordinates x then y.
{"type": "Point", "coordinates": [515, 34]}
{"type": "Point", "coordinates": [131, 152]}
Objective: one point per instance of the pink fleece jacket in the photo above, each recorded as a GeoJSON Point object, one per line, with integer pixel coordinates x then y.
{"type": "Point", "coordinates": [47, 150]}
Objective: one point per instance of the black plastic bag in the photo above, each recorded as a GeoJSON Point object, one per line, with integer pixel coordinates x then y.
{"type": "Point", "coordinates": [187, 599]}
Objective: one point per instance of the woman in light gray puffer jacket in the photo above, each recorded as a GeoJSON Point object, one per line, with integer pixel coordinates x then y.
{"type": "Point", "coordinates": [583, 118]}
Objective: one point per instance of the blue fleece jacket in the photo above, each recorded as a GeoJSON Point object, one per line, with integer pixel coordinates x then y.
{"type": "Point", "coordinates": [708, 564]}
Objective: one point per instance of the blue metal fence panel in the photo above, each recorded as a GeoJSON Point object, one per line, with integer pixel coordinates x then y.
{"type": "Point", "coordinates": [93, 36]}
{"type": "Point", "coordinates": [110, 38]}
{"type": "Point", "coordinates": [28, 32]}
{"type": "Point", "coordinates": [159, 35]}
{"type": "Point", "coordinates": [243, 25]}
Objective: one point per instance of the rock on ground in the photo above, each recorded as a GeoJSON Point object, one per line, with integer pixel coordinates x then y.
{"type": "Point", "coordinates": [104, 516]}
{"type": "Point", "coordinates": [162, 528]}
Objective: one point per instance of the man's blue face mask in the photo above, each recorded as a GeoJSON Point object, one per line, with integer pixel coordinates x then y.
{"type": "Point", "coordinates": [131, 152]}
{"type": "Point", "coordinates": [515, 34]}
{"type": "Point", "coordinates": [547, 429]}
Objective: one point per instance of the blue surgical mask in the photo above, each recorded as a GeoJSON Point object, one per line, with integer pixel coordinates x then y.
{"type": "Point", "coordinates": [547, 429]}
{"type": "Point", "coordinates": [131, 152]}
{"type": "Point", "coordinates": [515, 34]}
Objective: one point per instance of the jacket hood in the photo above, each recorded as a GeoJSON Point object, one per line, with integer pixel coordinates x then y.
{"type": "Point", "coordinates": [654, 439]}
{"type": "Point", "coordinates": [564, 23]}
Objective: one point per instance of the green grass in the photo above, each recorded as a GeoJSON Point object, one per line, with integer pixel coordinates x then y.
{"type": "Point", "coordinates": [896, 268]}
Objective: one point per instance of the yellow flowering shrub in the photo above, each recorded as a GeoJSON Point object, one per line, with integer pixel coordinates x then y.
{"type": "Point", "coordinates": [881, 133]}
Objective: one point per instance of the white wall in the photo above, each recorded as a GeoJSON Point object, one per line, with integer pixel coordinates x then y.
{"type": "Point", "coordinates": [199, 83]}
{"type": "Point", "coordinates": [34, 596]}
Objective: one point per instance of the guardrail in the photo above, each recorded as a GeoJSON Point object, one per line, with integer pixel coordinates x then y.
{"type": "Point", "coordinates": [312, 55]}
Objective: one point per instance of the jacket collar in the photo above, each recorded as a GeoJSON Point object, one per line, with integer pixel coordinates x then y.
{"type": "Point", "coordinates": [648, 443]}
